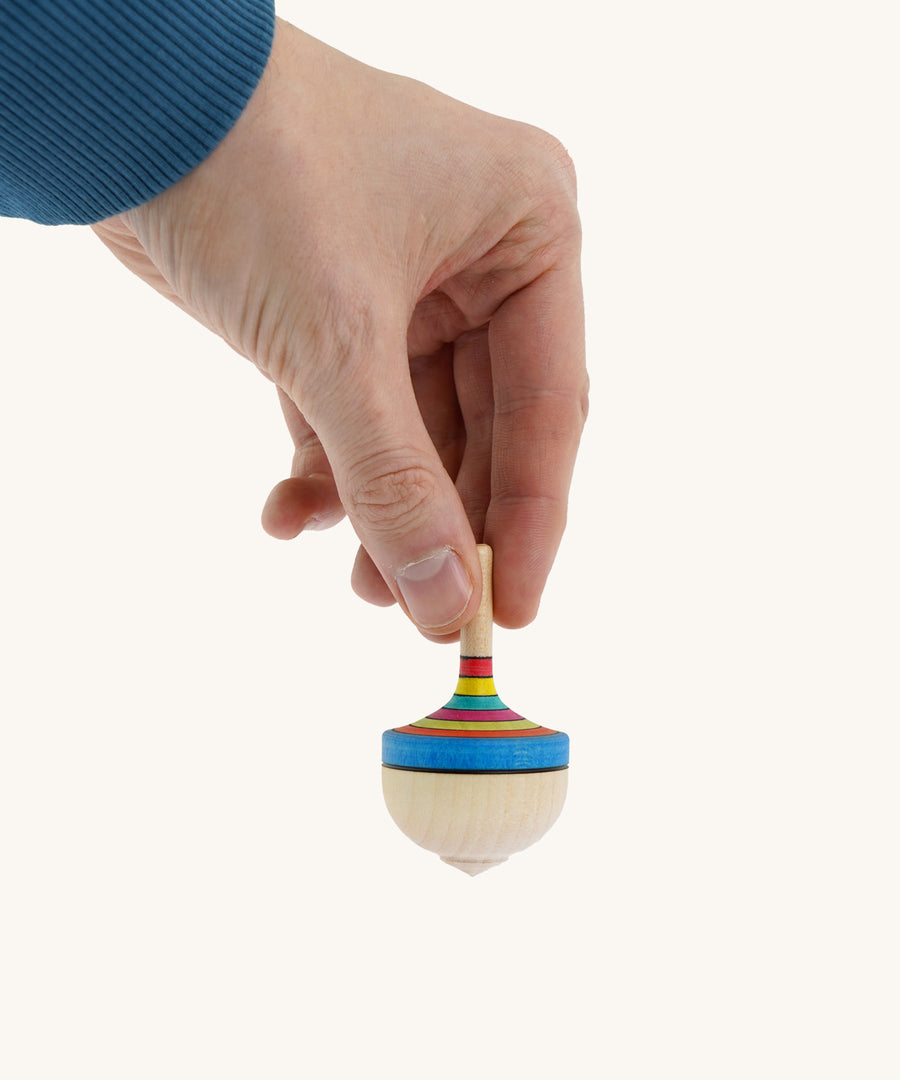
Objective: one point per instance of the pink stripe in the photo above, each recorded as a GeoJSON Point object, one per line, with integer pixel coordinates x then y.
{"type": "Point", "coordinates": [474, 714]}
{"type": "Point", "coordinates": [469, 733]}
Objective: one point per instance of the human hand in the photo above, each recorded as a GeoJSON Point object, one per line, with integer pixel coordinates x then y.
{"type": "Point", "coordinates": [405, 269]}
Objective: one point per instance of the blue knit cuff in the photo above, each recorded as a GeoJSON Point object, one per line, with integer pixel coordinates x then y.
{"type": "Point", "coordinates": [106, 103]}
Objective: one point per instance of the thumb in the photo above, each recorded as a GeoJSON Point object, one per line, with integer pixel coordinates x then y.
{"type": "Point", "coordinates": [401, 501]}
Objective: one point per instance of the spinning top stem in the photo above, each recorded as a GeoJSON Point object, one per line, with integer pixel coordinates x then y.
{"type": "Point", "coordinates": [476, 639]}
{"type": "Point", "coordinates": [475, 781]}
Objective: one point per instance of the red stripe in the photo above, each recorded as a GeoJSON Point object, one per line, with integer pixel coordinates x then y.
{"type": "Point", "coordinates": [474, 667]}
{"type": "Point", "coordinates": [466, 733]}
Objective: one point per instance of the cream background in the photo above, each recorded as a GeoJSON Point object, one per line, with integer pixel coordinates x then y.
{"type": "Point", "coordinates": [197, 876]}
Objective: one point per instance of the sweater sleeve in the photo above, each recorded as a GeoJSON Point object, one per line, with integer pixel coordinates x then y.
{"type": "Point", "coordinates": [106, 103]}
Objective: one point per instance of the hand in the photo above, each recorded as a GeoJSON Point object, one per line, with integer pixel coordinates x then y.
{"type": "Point", "coordinates": [405, 269]}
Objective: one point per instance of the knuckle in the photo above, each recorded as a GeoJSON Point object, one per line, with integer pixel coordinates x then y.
{"type": "Point", "coordinates": [390, 497]}
{"type": "Point", "coordinates": [557, 160]}
{"type": "Point", "coordinates": [563, 410]}
{"type": "Point", "coordinates": [562, 159]}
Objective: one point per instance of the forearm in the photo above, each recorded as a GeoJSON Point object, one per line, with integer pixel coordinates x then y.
{"type": "Point", "coordinates": [104, 104]}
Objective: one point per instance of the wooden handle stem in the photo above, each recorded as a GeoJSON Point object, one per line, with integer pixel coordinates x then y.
{"type": "Point", "coordinates": [476, 638]}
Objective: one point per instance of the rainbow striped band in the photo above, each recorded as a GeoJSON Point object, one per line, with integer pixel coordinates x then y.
{"type": "Point", "coordinates": [475, 732]}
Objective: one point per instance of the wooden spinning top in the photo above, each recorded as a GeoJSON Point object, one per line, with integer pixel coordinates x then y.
{"type": "Point", "coordinates": [475, 781]}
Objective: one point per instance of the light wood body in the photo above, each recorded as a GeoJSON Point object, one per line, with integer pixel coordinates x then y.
{"type": "Point", "coordinates": [474, 820]}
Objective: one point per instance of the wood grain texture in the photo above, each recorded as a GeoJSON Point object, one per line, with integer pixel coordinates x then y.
{"type": "Point", "coordinates": [474, 821]}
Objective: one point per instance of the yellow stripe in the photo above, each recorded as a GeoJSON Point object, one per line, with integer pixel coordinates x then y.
{"type": "Point", "coordinates": [490, 725]}
{"type": "Point", "coordinates": [476, 687]}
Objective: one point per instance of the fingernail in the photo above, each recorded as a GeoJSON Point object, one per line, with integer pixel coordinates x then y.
{"type": "Point", "coordinates": [436, 589]}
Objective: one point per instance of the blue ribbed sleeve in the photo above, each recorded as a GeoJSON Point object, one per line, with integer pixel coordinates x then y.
{"type": "Point", "coordinates": [106, 103]}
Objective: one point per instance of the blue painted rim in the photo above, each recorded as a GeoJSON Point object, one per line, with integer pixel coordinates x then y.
{"type": "Point", "coordinates": [447, 753]}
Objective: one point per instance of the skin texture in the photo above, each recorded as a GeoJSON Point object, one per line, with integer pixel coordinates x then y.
{"type": "Point", "coordinates": [405, 269]}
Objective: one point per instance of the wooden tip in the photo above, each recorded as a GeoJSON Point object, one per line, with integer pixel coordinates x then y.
{"type": "Point", "coordinates": [472, 867]}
